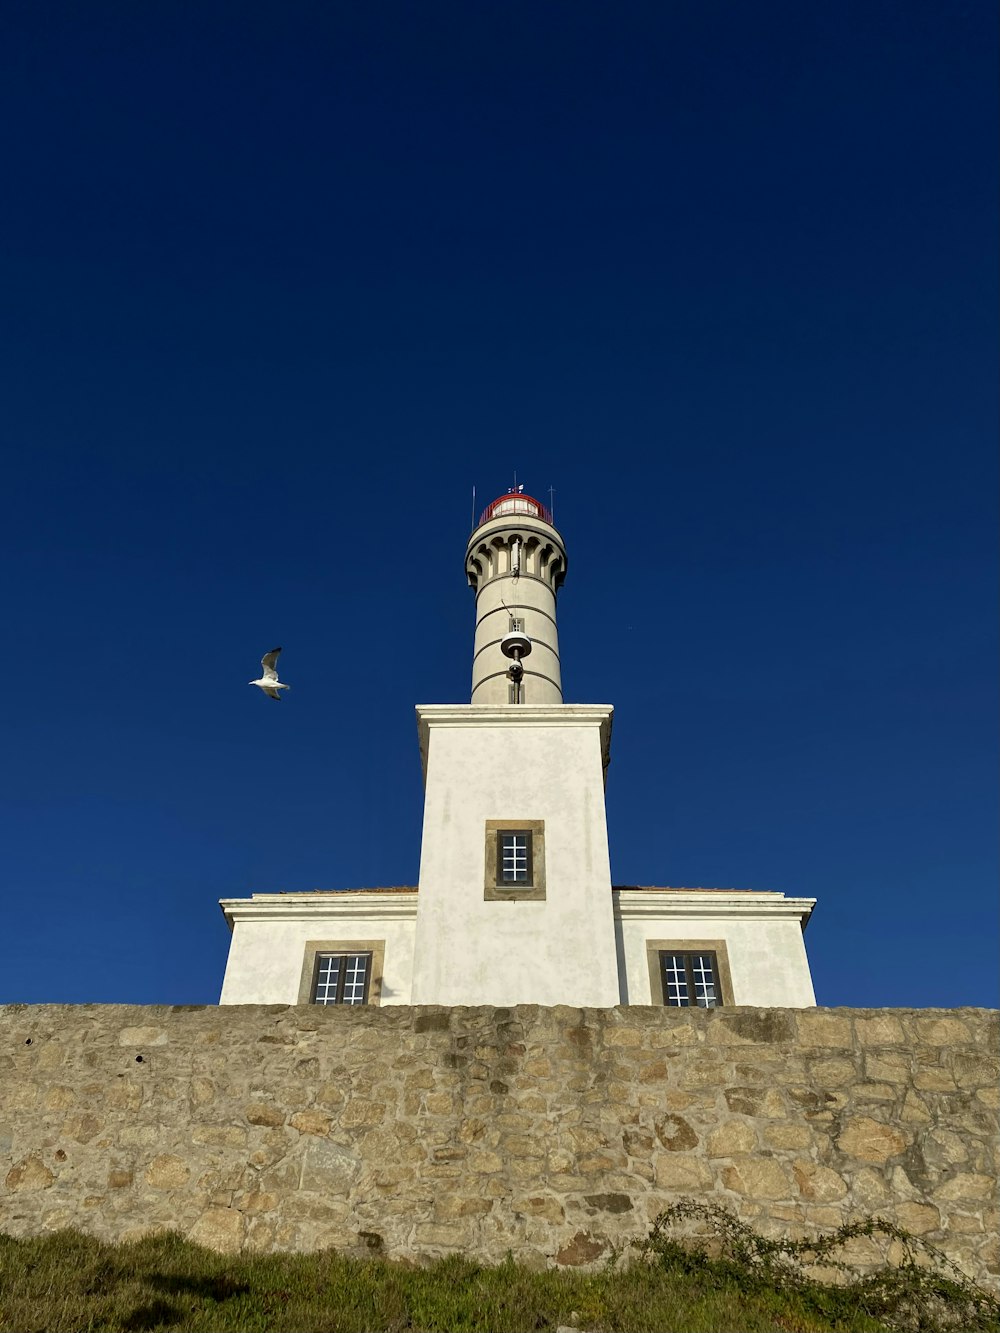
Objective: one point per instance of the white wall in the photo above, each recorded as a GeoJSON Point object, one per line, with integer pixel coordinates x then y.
{"type": "Point", "coordinates": [266, 955]}
{"type": "Point", "coordinates": [767, 957]}
{"type": "Point", "coordinates": [515, 764]}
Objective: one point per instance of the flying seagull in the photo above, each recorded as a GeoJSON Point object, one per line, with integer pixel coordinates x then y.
{"type": "Point", "coordinates": [269, 681]}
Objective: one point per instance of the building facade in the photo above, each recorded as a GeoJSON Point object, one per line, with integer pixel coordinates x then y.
{"type": "Point", "coordinates": [515, 903]}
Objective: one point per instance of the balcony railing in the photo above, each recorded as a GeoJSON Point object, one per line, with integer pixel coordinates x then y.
{"type": "Point", "coordinates": [514, 504]}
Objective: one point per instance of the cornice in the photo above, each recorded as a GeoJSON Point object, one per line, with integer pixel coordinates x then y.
{"type": "Point", "coordinates": [313, 906]}
{"type": "Point", "coordinates": [488, 716]}
{"type": "Point", "coordinates": [637, 904]}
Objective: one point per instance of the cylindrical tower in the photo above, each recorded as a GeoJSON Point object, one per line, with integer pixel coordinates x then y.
{"type": "Point", "coordinates": [516, 562]}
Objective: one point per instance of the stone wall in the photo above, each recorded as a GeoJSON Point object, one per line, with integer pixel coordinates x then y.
{"type": "Point", "coordinates": [550, 1133]}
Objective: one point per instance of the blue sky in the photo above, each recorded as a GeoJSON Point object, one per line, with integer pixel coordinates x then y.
{"type": "Point", "coordinates": [282, 283]}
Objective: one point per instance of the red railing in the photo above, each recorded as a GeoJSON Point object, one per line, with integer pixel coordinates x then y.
{"type": "Point", "coordinates": [514, 503]}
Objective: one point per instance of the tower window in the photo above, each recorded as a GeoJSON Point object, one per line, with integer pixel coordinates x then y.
{"type": "Point", "coordinates": [517, 624]}
{"type": "Point", "coordinates": [690, 980]}
{"type": "Point", "coordinates": [515, 860]}
{"type": "Point", "coordinates": [342, 978]}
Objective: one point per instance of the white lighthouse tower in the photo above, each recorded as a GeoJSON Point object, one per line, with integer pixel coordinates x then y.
{"type": "Point", "coordinates": [514, 899]}
{"type": "Point", "coordinates": [516, 563]}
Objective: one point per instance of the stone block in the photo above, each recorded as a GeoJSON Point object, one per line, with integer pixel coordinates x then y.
{"type": "Point", "coordinates": [359, 1113]}
{"type": "Point", "coordinates": [657, 1072]}
{"type": "Point", "coordinates": [675, 1133]}
{"type": "Point", "coordinates": [219, 1229]}
{"type": "Point", "coordinates": [787, 1136]}
{"type": "Point", "coordinates": [327, 1168]}
{"type": "Point", "coordinates": [582, 1249]}
{"type": "Point", "coordinates": [818, 1183]}
{"type": "Point", "coordinates": [142, 1036]}
{"type": "Point", "coordinates": [914, 1109]}
{"type": "Point", "coordinates": [967, 1185]}
{"type": "Point", "coordinates": [750, 1026]}
{"type": "Point", "coordinates": [58, 1098]}
{"type": "Point", "coordinates": [441, 1234]}
{"type": "Point", "coordinates": [942, 1031]}
{"type": "Point", "coordinates": [834, 1072]}
{"type": "Point", "coordinates": [879, 1030]}
{"type": "Point", "coordinates": [824, 1029]}
{"type": "Point", "coordinates": [674, 1037]}
{"type": "Point", "coordinates": [674, 1171]}
{"type": "Point", "coordinates": [259, 1201]}
{"type": "Point", "coordinates": [29, 1174]}
{"type": "Point", "coordinates": [763, 1102]}
{"type": "Point", "coordinates": [874, 1092]}
{"type": "Point", "coordinates": [622, 1036]}
{"type": "Point", "coordinates": [888, 1066]}
{"type": "Point", "coordinates": [758, 1178]}
{"type": "Point", "coordinates": [975, 1069]}
{"type": "Point", "coordinates": [259, 1113]}
{"type": "Point", "coordinates": [731, 1139]}
{"type": "Point", "coordinates": [167, 1172]}
{"type": "Point", "coordinates": [609, 1203]}
{"type": "Point", "coordinates": [869, 1190]}
{"type": "Point", "coordinates": [933, 1078]}
{"type": "Point", "coordinates": [592, 1163]}
{"type": "Point", "coordinates": [448, 1206]}
{"type": "Point", "coordinates": [918, 1217]}
{"type": "Point", "coordinates": [219, 1136]}
{"type": "Point", "coordinates": [870, 1141]}
{"type": "Point", "coordinates": [82, 1128]}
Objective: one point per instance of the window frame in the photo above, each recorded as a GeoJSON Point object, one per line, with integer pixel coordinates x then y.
{"type": "Point", "coordinates": [316, 949]}
{"type": "Point", "coordinates": [723, 976]}
{"type": "Point", "coordinates": [529, 880]}
{"type": "Point", "coordinates": [342, 974]}
{"type": "Point", "coordinates": [496, 888]}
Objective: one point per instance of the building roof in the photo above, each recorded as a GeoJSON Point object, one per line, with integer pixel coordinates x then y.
{"type": "Point", "coordinates": [615, 888]}
{"type": "Point", "coordinates": [396, 888]}
{"type": "Point", "coordinates": [666, 888]}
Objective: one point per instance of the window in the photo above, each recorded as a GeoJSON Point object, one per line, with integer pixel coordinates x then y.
{"type": "Point", "coordinates": [517, 624]}
{"type": "Point", "coordinates": [691, 974]}
{"type": "Point", "coordinates": [342, 972]}
{"type": "Point", "coordinates": [515, 859]}
{"type": "Point", "coordinates": [689, 980]}
{"type": "Point", "coordinates": [342, 978]}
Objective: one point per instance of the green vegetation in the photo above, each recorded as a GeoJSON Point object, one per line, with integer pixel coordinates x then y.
{"type": "Point", "coordinates": [66, 1281]}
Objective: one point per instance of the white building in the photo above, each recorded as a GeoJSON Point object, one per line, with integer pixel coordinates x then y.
{"type": "Point", "coordinates": [515, 903]}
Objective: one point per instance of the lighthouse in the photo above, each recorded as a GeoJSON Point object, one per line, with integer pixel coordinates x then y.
{"type": "Point", "coordinates": [516, 563]}
{"type": "Point", "coordinates": [514, 897]}
{"type": "Point", "coordinates": [515, 902]}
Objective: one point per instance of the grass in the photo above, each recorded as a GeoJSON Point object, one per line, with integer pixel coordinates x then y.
{"type": "Point", "coordinates": [65, 1282]}
{"type": "Point", "coordinates": [69, 1282]}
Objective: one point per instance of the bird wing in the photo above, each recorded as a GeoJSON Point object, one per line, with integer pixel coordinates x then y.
{"type": "Point", "coordinates": [271, 694]}
{"type": "Point", "coordinates": [268, 664]}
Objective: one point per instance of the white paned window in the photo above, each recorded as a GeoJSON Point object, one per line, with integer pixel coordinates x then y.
{"type": "Point", "coordinates": [342, 978]}
{"type": "Point", "coordinates": [517, 624]}
{"type": "Point", "coordinates": [514, 861]}
{"type": "Point", "coordinates": [690, 980]}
